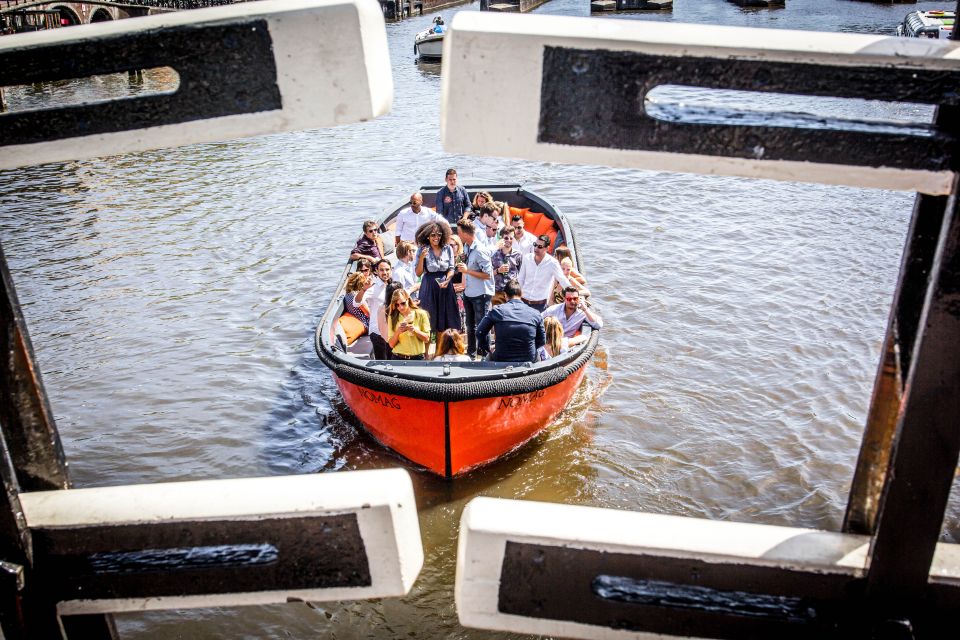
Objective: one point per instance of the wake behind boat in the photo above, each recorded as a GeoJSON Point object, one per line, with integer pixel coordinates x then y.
{"type": "Point", "coordinates": [428, 44]}
{"type": "Point", "coordinates": [451, 417]}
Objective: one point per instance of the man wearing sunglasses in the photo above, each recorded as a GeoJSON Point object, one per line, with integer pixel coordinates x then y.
{"type": "Point", "coordinates": [537, 273]}
{"type": "Point", "coordinates": [369, 246]}
{"type": "Point", "coordinates": [523, 240]}
{"type": "Point", "coordinates": [572, 313]}
{"type": "Point", "coordinates": [506, 261]}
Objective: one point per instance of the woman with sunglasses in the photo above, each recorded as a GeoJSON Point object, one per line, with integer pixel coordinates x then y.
{"type": "Point", "coordinates": [408, 327]}
{"type": "Point", "coordinates": [435, 264]}
{"type": "Point", "coordinates": [369, 245]}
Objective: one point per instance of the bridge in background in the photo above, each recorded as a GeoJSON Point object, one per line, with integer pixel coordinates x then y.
{"type": "Point", "coordinates": [33, 15]}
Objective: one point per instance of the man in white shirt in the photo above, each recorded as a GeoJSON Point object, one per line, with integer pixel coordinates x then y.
{"type": "Point", "coordinates": [572, 313]}
{"type": "Point", "coordinates": [537, 273]}
{"type": "Point", "coordinates": [410, 219]}
{"type": "Point", "coordinates": [374, 300]}
{"type": "Point", "coordinates": [403, 271]}
{"type": "Point", "coordinates": [486, 227]}
{"type": "Point", "coordinates": [523, 240]}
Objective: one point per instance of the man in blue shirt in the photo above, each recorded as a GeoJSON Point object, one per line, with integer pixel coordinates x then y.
{"type": "Point", "coordinates": [519, 328]}
{"type": "Point", "coordinates": [477, 270]}
{"type": "Point", "coordinates": [452, 200]}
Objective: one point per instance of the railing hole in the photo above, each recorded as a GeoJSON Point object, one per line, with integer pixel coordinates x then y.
{"type": "Point", "coordinates": [89, 90]}
{"type": "Point", "coordinates": [697, 105]}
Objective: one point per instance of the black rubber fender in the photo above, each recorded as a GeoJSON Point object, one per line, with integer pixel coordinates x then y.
{"type": "Point", "coordinates": [453, 391]}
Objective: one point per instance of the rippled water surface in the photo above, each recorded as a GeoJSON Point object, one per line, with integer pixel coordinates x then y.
{"type": "Point", "coordinates": [172, 295]}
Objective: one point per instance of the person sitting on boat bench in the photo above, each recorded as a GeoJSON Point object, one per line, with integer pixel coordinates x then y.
{"type": "Point", "coordinates": [408, 327]}
{"type": "Point", "coordinates": [375, 300]}
{"type": "Point", "coordinates": [519, 329]}
{"type": "Point", "coordinates": [369, 245]}
{"type": "Point", "coordinates": [572, 313]}
{"type": "Point", "coordinates": [410, 219]}
{"type": "Point", "coordinates": [357, 286]}
{"type": "Point", "coordinates": [537, 274]}
{"type": "Point", "coordinates": [450, 347]}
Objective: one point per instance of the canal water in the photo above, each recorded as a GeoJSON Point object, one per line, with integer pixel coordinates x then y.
{"type": "Point", "coordinates": [172, 295]}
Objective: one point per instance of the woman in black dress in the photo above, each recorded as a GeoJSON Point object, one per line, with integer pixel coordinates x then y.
{"type": "Point", "coordinates": [435, 264]}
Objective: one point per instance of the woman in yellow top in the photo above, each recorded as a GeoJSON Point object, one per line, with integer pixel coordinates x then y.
{"type": "Point", "coordinates": [408, 327]}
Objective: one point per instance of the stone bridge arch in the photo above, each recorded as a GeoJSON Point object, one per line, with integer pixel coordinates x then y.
{"type": "Point", "coordinates": [69, 14]}
{"type": "Point", "coordinates": [103, 14]}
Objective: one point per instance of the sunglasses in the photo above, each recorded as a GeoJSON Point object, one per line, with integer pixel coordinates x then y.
{"type": "Point", "coordinates": [539, 246]}
{"type": "Point", "coordinates": [372, 231]}
{"type": "Point", "coordinates": [574, 299]}
{"type": "Point", "coordinates": [364, 270]}
{"type": "Point", "coordinates": [402, 303]}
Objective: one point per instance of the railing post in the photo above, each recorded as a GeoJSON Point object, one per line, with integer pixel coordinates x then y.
{"type": "Point", "coordinates": [32, 459]}
{"type": "Point", "coordinates": [927, 443]}
{"type": "Point", "coordinates": [896, 358]}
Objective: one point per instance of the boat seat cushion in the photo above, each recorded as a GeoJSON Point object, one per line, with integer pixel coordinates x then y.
{"type": "Point", "coordinates": [352, 328]}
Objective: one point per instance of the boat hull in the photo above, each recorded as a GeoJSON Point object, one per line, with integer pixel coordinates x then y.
{"type": "Point", "coordinates": [430, 47]}
{"type": "Point", "coordinates": [450, 438]}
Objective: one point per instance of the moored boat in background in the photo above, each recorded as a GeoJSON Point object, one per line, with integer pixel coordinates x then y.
{"type": "Point", "coordinates": [450, 417]}
{"type": "Point", "coordinates": [927, 24]}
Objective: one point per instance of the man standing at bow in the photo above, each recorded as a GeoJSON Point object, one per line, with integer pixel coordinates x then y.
{"type": "Point", "coordinates": [452, 200]}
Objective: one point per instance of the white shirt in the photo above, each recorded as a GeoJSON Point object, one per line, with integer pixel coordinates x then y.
{"type": "Point", "coordinates": [536, 280]}
{"type": "Point", "coordinates": [480, 235]}
{"type": "Point", "coordinates": [404, 273]}
{"type": "Point", "coordinates": [572, 324]}
{"type": "Point", "coordinates": [525, 244]}
{"type": "Point", "coordinates": [374, 300]}
{"type": "Point", "coordinates": [408, 222]}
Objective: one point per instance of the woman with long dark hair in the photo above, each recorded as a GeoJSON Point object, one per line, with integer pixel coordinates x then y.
{"type": "Point", "coordinates": [435, 264]}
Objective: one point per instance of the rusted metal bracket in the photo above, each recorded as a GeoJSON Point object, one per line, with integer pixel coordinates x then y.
{"type": "Point", "coordinates": [32, 439]}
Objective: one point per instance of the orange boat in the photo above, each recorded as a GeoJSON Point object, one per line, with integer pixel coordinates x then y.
{"type": "Point", "coordinates": [451, 417]}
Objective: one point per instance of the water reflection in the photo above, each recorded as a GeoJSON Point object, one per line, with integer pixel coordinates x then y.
{"type": "Point", "coordinates": [429, 68]}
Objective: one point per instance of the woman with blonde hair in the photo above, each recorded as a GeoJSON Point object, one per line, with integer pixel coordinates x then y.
{"type": "Point", "coordinates": [556, 343]}
{"type": "Point", "coordinates": [357, 285]}
{"type": "Point", "coordinates": [408, 327]}
{"type": "Point", "coordinates": [450, 347]}
{"type": "Point", "coordinates": [576, 280]}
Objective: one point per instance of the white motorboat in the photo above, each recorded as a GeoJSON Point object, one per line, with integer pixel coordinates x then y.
{"type": "Point", "coordinates": [428, 44]}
